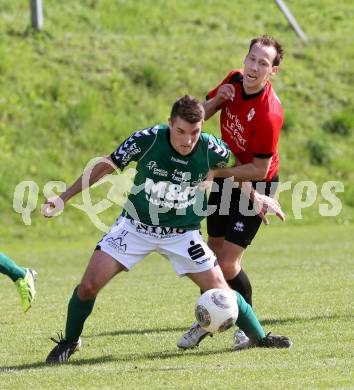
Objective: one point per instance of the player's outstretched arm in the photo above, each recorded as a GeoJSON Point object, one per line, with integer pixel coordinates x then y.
{"type": "Point", "coordinates": [101, 168]}
{"type": "Point", "coordinates": [255, 171]}
{"type": "Point", "coordinates": [262, 204]}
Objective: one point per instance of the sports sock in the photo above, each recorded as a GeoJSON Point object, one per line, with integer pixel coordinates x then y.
{"type": "Point", "coordinates": [10, 268]}
{"type": "Point", "coordinates": [242, 284]}
{"type": "Point", "coordinates": [78, 311]}
{"type": "Point", "coordinates": [247, 320]}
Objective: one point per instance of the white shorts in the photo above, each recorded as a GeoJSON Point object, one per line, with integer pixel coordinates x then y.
{"type": "Point", "coordinates": [129, 241]}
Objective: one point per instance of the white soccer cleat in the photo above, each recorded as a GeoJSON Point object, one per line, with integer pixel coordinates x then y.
{"type": "Point", "coordinates": [192, 337]}
{"type": "Point", "coordinates": [241, 341]}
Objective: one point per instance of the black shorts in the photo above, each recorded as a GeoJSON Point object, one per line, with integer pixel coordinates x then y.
{"type": "Point", "coordinates": [234, 217]}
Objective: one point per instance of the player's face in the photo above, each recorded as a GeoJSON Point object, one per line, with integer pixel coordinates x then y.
{"type": "Point", "coordinates": [184, 135]}
{"type": "Point", "coordinates": [258, 66]}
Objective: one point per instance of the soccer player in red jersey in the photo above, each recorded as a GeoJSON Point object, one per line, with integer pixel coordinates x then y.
{"type": "Point", "coordinates": [251, 118]}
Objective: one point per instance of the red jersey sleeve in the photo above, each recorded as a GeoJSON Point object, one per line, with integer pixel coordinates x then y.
{"type": "Point", "coordinates": [226, 80]}
{"type": "Point", "coordinates": [266, 135]}
{"type": "Point", "coordinates": [212, 93]}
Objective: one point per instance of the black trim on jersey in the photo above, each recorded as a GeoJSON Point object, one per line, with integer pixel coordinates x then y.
{"type": "Point", "coordinates": [181, 155]}
{"type": "Point", "coordinates": [221, 150]}
{"type": "Point", "coordinates": [273, 179]}
{"type": "Point", "coordinates": [245, 96]}
{"type": "Point", "coordinates": [263, 155]}
{"type": "Point", "coordinates": [237, 78]}
{"type": "Point", "coordinates": [234, 79]}
{"type": "Point", "coordinates": [115, 161]}
{"type": "Point", "coordinates": [120, 152]}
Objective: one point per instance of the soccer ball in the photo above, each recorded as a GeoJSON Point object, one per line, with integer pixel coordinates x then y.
{"type": "Point", "coordinates": [216, 310]}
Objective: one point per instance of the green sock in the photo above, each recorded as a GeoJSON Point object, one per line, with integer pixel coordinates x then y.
{"type": "Point", "coordinates": [247, 320]}
{"type": "Point", "coordinates": [78, 311]}
{"type": "Point", "coordinates": [10, 268]}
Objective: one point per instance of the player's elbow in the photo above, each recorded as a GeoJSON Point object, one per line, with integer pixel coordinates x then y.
{"type": "Point", "coordinates": [261, 168]}
{"type": "Point", "coordinates": [260, 173]}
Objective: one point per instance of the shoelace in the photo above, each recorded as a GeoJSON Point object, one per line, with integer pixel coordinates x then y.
{"type": "Point", "coordinates": [60, 338]}
{"type": "Point", "coordinates": [239, 336]}
{"type": "Point", "coordinates": [268, 340]}
{"type": "Point", "coordinates": [193, 329]}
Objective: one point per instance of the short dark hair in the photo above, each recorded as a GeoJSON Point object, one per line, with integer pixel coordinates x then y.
{"type": "Point", "coordinates": [266, 40]}
{"type": "Point", "coordinates": [188, 108]}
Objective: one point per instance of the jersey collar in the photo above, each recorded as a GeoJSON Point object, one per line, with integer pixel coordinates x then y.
{"type": "Point", "coordinates": [245, 96]}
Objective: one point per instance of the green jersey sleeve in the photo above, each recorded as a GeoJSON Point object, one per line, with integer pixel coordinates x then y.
{"type": "Point", "coordinates": [134, 147]}
{"type": "Point", "coordinates": [219, 154]}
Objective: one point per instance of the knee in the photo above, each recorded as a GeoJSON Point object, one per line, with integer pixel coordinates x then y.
{"type": "Point", "coordinates": [219, 282]}
{"type": "Point", "coordinates": [87, 290]}
{"type": "Point", "coordinates": [230, 269]}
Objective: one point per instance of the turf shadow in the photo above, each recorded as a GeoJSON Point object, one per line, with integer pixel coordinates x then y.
{"type": "Point", "coordinates": [173, 354]}
{"type": "Point", "coordinates": [266, 321]}
{"type": "Point", "coordinates": [133, 357]}
{"type": "Point", "coordinates": [138, 331]}
{"type": "Point", "coordinates": [41, 365]}
{"type": "Point", "coordinates": [275, 321]}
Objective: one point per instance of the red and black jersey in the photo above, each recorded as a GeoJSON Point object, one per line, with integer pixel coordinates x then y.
{"type": "Point", "coordinates": [251, 124]}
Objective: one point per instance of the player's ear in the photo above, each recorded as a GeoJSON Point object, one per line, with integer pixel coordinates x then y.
{"type": "Point", "coordinates": [275, 70]}
{"type": "Point", "coordinates": [170, 122]}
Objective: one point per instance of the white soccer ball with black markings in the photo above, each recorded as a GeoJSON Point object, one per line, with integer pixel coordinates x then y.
{"type": "Point", "coordinates": [216, 310]}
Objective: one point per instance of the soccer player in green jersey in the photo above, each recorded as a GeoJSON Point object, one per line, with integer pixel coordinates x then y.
{"type": "Point", "coordinates": [162, 213]}
{"type": "Point", "coordinates": [23, 278]}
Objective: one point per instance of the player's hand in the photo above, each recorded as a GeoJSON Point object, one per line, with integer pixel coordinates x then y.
{"type": "Point", "coordinates": [52, 207]}
{"type": "Point", "coordinates": [264, 204]}
{"type": "Point", "coordinates": [226, 92]}
{"type": "Point", "coordinates": [207, 182]}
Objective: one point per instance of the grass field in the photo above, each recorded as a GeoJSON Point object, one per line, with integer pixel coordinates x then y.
{"type": "Point", "coordinates": [110, 67]}
{"type": "Point", "coordinates": [102, 69]}
{"type": "Point", "coordinates": [303, 284]}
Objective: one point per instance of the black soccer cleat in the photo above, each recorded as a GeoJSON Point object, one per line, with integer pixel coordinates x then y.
{"type": "Point", "coordinates": [272, 341]}
{"type": "Point", "coordinates": [63, 350]}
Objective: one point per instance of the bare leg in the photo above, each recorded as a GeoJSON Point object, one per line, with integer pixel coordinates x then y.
{"type": "Point", "coordinates": [229, 256]}
{"type": "Point", "coordinates": [100, 270]}
{"type": "Point", "coordinates": [212, 278]}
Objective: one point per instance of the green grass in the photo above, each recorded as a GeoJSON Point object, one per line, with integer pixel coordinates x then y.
{"type": "Point", "coordinates": [303, 284]}
{"type": "Point", "coordinates": [102, 69]}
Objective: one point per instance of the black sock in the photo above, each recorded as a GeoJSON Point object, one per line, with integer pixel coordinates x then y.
{"type": "Point", "coordinates": [242, 284]}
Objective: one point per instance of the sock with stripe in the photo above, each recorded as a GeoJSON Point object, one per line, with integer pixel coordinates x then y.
{"type": "Point", "coordinates": [247, 320]}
